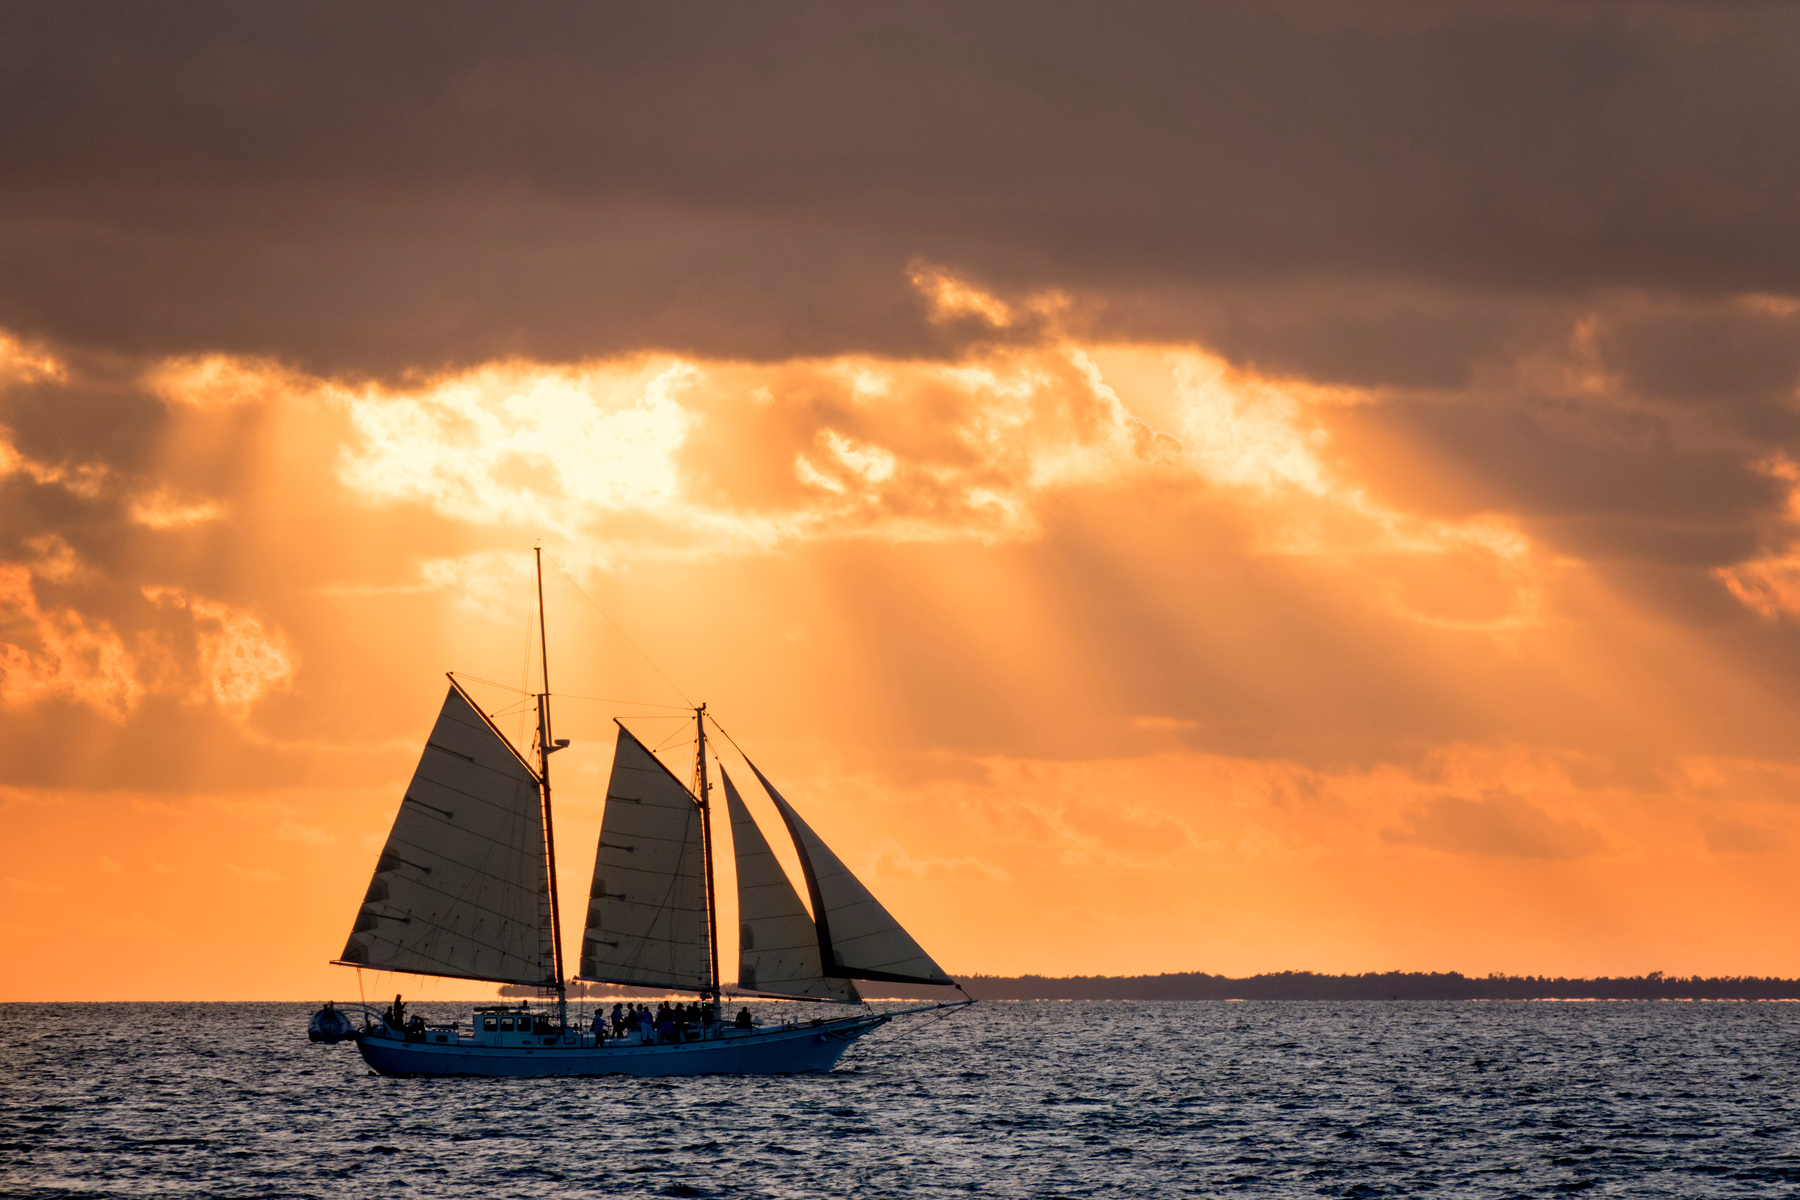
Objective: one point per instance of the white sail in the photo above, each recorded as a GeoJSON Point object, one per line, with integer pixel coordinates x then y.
{"type": "Point", "coordinates": [858, 938]}
{"type": "Point", "coordinates": [647, 921]}
{"type": "Point", "coordinates": [778, 946]}
{"type": "Point", "coordinates": [461, 887]}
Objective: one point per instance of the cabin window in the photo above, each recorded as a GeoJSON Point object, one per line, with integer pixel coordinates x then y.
{"type": "Point", "coordinates": [506, 1023]}
{"type": "Point", "coordinates": [490, 1023]}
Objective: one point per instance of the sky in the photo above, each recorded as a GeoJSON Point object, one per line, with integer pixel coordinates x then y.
{"type": "Point", "coordinates": [1192, 487]}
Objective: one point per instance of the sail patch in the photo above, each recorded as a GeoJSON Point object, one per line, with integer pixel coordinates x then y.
{"type": "Point", "coordinates": [778, 948]}
{"type": "Point", "coordinates": [653, 930]}
{"type": "Point", "coordinates": [857, 937]}
{"type": "Point", "coordinates": [485, 871]}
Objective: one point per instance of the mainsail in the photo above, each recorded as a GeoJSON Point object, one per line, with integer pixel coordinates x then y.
{"type": "Point", "coordinates": [461, 888]}
{"type": "Point", "coordinates": [778, 946]}
{"type": "Point", "coordinates": [647, 912]}
{"type": "Point", "coordinates": [858, 938]}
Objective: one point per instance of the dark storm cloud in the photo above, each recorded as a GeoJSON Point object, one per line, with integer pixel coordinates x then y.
{"type": "Point", "coordinates": [1548, 459]}
{"type": "Point", "coordinates": [1413, 197]}
{"type": "Point", "coordinates": [1741, 357]}
{"type": "Point", "coordinates": [367, 187]}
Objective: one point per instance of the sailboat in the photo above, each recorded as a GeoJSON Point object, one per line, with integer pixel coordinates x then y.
{"type": "Point", "coordinates": [465, 888]}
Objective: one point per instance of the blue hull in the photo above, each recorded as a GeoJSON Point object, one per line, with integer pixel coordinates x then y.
{"type": "Point", "coordinates": [776, 1052]}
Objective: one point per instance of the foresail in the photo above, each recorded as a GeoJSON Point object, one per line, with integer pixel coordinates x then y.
{"type": "Point", "coordinates": [778, 946]}
{"type": "Point", "coordinates": [646, 921]}
{"type": "Point", "coordinates": [858, 938]}
{"type": "Point", "coordinates": [461, 887]}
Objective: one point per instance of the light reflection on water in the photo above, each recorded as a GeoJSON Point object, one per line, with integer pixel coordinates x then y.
{"type": "Point", "coordinates": [1008, 1099]}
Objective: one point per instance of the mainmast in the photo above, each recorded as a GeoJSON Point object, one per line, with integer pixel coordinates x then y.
{"type": "Point", "coordinates": [545, 749]}
{"type": "Point", "coordinates": [702, 790]}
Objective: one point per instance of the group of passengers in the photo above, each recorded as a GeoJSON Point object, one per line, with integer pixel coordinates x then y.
{"type": "Point", "coordinates": [668, 1024]}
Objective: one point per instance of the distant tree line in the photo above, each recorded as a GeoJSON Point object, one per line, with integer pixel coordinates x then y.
{"type": "Point", "coordinates": [1389, 985]}
{"type": "Point", "coordinates": [1308, 985]}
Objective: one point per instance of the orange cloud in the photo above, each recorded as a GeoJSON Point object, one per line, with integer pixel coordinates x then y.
{"type": "Point", "coordinates": [60, 654]}
{"type": "Point", "coordinates": [1155, 660]}
{"type": "Point", "coordinates": [23, 363]}
{"type": "Point", "coordinates": [240, 659]}
{"type": "Point", "coordinates": [667, 458]}
{"type": "Point", "coordinates": [166, 509]}
{"type": "Point", "coordinates": [83, 479]}
{"type": "Point", "coordinates": [1496, 824]}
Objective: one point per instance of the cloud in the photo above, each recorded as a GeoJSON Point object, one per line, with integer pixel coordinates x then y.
{"type": "Point", "coordinates": [1164, 724]}
{"type": "Point", "coordinates": [167, 509]}
{"type": "Point", "coordinates": [488, 582]}
{"type": "Point", "coordinates": [892, 859]}
{"type": "Point", "coordinates": [1497, 825]}
{"type": "Point", "coordinates": [527, 445]}
{"type": "Point", "coordinates": [1738, 837]}
{"type": "Point", "coordinates": [1122, 524]}
{"type": "Point", "coordinates": [293, 831]}
{"type": "Point", "coordinates": [222, 381]}
{"type": "Point", "coordinates": [669, 458]}
{"type": "Point", "coordinates": [1769, 583]}
{"type": "Point", "coordinates": [21, 363]}
{"type": "Point", "coordinates": [65, 654]}
{"type": "Point", "coordinates": [241, 660]}
{"type": "Point", "coordinates": [85, 479]}
{"type": "Point", "coordinates": [60, 654]}
{"type": "Point", "coordinates": [1211, 150]}
{"type": "Point", "coordinates": [253, 874]}
{"type": "Point", "coordinates": [55, 561]}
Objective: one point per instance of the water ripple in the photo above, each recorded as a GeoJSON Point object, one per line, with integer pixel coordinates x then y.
{"type": "Point", "coordinates": [1008, 1099]}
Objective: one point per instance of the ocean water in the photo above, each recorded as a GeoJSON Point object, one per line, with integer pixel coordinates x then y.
{"type": "Point", "coordinates": [1005, 1099]}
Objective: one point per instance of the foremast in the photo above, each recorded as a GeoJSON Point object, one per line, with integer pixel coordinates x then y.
{"type": "Point", "coordinates": [547, 747]}
{"type": "Point", "coordinates": [702, 792]}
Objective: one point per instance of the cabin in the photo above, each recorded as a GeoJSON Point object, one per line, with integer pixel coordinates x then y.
{"type": "Point", "coordinates": [512, 1029]}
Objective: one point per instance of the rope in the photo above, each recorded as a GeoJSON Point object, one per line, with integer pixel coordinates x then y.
{"type": "Point", "coordinates": [948, 1012]}
{"type": "Point", "coordinates": [621, 632]}
{"type": "Point", "coordinates": [678, 710]}
{"type": "Point", "coordinates": [504, 686]}
{"type": "Point", "coordinates": [664, 744]}
{"type": "Point", "coordinates": [726, 735]}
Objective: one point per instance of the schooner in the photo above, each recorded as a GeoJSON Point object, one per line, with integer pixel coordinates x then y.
{"type": "Point", "coordinates": [465, 888]}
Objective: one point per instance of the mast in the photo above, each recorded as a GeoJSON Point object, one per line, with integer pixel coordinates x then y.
{"type": "Point", "coordinates": [545, 750]}
{"type": "Point", "coordinates": [712, 898]}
